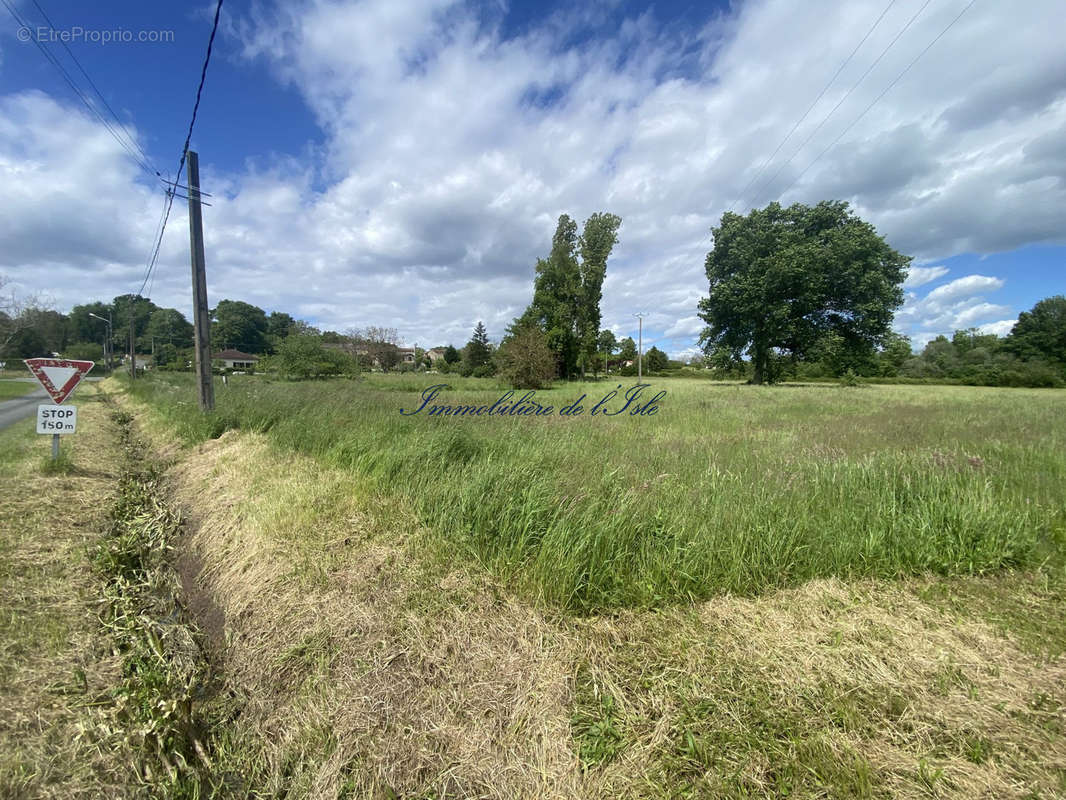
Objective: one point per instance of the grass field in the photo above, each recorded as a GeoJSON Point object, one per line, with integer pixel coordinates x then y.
{"type": "Point", "coordinates": [376, 656]}
{"type": "Point", "coordinates": [11, 389]}
{"type": "Point", "coordinates": [727, 488]}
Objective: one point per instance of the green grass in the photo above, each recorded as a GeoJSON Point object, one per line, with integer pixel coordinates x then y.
{"type": "Point", "coordinates": [9, 389]}
{"type": "Point", "coordinates": [728, 488]}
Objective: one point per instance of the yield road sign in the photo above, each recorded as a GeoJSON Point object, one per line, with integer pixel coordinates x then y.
{"type": "Point", "coordinates": [58, 376]}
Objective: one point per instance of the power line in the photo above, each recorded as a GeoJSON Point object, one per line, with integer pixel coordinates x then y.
{"type": "Point", "coordinates": [50, 57]}
{"type": "Point", "coordinates": [157, 236]}
{"type": "Point", "coordinates": [184, 149]}
{"type": "Point", "coordinates": [167, 203]}
{"type": "Point", "coordinates": [847, 94]}
{"type": "Point", "coordinates": [810, 108]}
{"type": "Point", "coordinates": [883, 93]}
{"type": "Point", "coordinates": [96, 89]}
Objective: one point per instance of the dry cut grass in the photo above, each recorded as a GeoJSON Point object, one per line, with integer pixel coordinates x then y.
{"type": "Point", "coordinates": [55, 662]}
{"type": "Point", "coordinates": [365, 672]}
{"type": "Point", "coordinates": [371, 665]}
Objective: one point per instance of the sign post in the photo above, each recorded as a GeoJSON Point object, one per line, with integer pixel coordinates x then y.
{"type": "Point", "coordinates": [59, 377]}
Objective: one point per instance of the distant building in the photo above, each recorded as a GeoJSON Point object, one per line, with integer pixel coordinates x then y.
{"type": "Point", "coordinates": [234, 359]}
{"type": "Point", "coordinates": [143, 361]}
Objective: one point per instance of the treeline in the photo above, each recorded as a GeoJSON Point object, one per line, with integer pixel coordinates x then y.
{"type": "Point", "coordinates": [34, 330]}
{"type": "Point", "coordinates": [1033, 354]}
{"type": "Point", "coordinates": [811, 291]}
{"type": "Point", "coordinates": [29, 329]}
{"type": "Point", "coordinates": [281, 343]}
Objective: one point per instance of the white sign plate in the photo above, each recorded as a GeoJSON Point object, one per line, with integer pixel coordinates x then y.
{"type": "Point", "coordinates": [57, 419]}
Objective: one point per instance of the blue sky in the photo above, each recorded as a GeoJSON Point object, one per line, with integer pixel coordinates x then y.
{"type": "Point", "coordinates": [404, 164]}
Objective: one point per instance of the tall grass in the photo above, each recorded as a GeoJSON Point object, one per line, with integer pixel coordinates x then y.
{"type": "Point", "coordinates": [728, 488]}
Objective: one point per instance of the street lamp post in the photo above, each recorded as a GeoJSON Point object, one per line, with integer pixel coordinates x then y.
{"type": "Point", "coordinates": [107, 344]}
{"type": "Point", "coordinates": [640, 347]}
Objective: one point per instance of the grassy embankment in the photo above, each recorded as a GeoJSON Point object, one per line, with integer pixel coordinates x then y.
{"type": "Point", "coordinates": [371, 668]}
{"type": "Point", "coordinates": [726, 489]}
{"type": "Point", "coordinates": [102, 681]}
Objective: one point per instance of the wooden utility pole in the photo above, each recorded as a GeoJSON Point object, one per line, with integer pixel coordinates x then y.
{"type": "Point", "coordinates": [200, 320]}
{"type": "Point", "coordinates": [133, 354]}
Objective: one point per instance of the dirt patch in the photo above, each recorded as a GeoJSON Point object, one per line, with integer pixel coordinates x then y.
{"type": "Point", "coordinates": [200, 603]}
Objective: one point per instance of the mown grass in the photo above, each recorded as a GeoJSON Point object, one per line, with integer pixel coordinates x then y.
{"type": "Point", "coordinates": [728, 488]}
{"type": "Point", "coordinates": [55, 665]}
{"type": "Point", "coordinates": [371, 671]}
{"type": "Point", "coordinates": [10, 390]}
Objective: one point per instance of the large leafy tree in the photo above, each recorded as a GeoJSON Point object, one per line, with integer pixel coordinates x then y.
{"type": "Point", "coordinates": [169, 326]}
{"type": "Point", "coordinates": [567, 290]}
{"type": "Point", "coordinates": [895, 352]}
{"type": "Point", "coordinates": [239, 325]}
{"type": "Point", "coordinates": [280, 324]}
{"type": "Point", "coordinates": [84, 328]}
{"type": "Point", "coordinates": [1040, 333]}
{"type": "Point", "coordinates": [524, 357]}
{"type": "Point", "coordinates": [782, 279]}
{"type": "Point", "coordinates": [124, 308]}
{"type": "Point", "coordinates": [606, 344]}
{"type": "Point", "coordinates": [655, 360]}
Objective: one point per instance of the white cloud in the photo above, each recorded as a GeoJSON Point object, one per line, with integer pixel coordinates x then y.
{"type": "Point", "coordinates": [919, 276]}
{"type": "Point", "coordinates": [687, 326]}
{"type": "Point", "coordinates": [963, 287]}
{"type": "Point", "coordinates": [956, 305]}
{"type": "Point", "coordinates": [446, 161]}
{"type": "Point", "coordinates": [999, 328]}
{"type": "Point", "coordinates": [684, 354]}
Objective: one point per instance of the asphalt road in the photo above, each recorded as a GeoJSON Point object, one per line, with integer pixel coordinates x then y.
{"type": "Point", "coordinates": [12, 411]}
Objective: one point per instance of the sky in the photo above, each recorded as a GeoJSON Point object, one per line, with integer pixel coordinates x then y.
{"type": "Point", "coordinates": [405, 163]}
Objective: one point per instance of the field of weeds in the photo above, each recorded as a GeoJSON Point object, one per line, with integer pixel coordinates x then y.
{"type": "Point", "coordinates": [727, 488]}
{"type": "Point", "coordinates": [384, 646]}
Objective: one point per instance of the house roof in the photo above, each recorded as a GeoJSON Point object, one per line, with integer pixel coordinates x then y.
{"type": "Point", "coordinates": [234, 355]}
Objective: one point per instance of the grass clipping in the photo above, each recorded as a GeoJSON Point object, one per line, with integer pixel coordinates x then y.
{"type": "Point", "coordinates": [366, 671]}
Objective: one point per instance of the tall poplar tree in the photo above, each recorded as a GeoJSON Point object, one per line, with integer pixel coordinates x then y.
{"type": "Point", "coordinates": [567, 291]}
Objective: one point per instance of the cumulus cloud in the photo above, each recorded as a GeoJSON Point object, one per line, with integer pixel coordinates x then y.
{"type": "Point", "coordinates": [919, 276]}
{"type": "Point", "coordinates": [999, 328]}
{"type": "Point", "coordinates": [963, 287]}
{"type": "Point", "coordinates": [452, 147]}
{"type": "Point", "coordinates": [956, 305]}
{"type": "Point", "coordinates": [688, 326]}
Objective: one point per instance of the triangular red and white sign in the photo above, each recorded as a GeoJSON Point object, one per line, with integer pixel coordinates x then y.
{"type": "Point", "coordinates": [58, 376]}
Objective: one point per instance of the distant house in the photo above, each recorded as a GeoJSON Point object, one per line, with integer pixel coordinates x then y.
{"type": "Point", "coordinates": [436, 353]}
{"type": "Point", "coordinates": [407, 355]}
{"type": "Point", "coordinates": [235, 359]}
{"type": "Point", "coordinates": [143, 361]}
